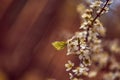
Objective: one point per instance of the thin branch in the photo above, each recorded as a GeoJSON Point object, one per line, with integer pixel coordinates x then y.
{"type": "Point", "coordinates": [98, 15]}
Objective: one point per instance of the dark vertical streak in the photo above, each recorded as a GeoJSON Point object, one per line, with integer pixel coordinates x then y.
{"type": "Point", "coordinates": [9, 17]}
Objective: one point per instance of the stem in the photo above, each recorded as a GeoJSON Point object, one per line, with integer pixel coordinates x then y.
{"type": "Point", "coordinates": [98, 15]}
{"type": "Point", "coordinates": [90, 26]}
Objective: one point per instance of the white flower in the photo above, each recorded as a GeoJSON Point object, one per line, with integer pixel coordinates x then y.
{"type": "Point", "coordinates": [84, 25]}
{"type": "Point", "coordinates": [84, 53]}
{"type": "Point", "coordinates": [110, 2]}
{"type": "Point", "coordinates": [75, 43]}
{"type": "Point", "coordinates": [92, 74]}
{"type": "Point", "coordinates": [69, 65]}
{"type": "Point", "coordinates": [80, 70]}
{"type": "Point", "coordinates": [81, 34]}
{"type": "Point", "coordinates": [86, 16]}
{"type": "Point", "coordinates": [96, 4]}
{"type": "Point", "coordinates": [87, 61]}
{"type": "Point", "coordinates": [71, 75]}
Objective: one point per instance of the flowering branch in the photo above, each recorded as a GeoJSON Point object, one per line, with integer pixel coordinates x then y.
{"type": "Point", "coordinates": [98, 15]}
{"type": "Point", "coordinates": [85, 42]}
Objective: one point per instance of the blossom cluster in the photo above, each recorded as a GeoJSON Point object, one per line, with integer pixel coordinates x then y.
{"type": "Point", "coordinates": [88, 45]}
{"type": "Point", "coordinates": [88, 40]}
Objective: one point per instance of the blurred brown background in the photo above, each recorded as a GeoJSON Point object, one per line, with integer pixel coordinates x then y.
{"type": "Point", "coordinates": [27, 28]}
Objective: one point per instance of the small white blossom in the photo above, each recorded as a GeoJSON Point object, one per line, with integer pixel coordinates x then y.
{"type": "Point", "coordinates": [96, 4]}
{"type": "Point", "coordinates": [92, 74]}
{"type": "Point", "coordinates": [80, 70]}
{"type": "Point", "coordinates": [87, 61]}
{"type": "Point", "coordinates": [69, 65]}
{"type": "Point", "coordinates": [71, 75]}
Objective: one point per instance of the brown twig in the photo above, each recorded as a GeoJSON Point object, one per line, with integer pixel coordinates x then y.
{"type": "Point", "coordinates": [98, 15]}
